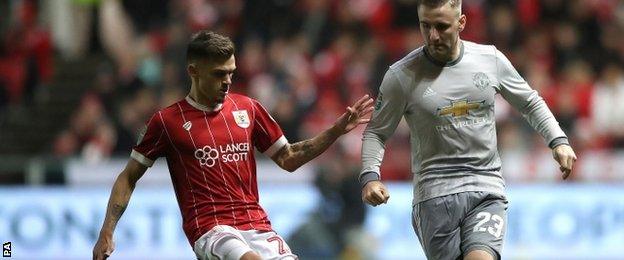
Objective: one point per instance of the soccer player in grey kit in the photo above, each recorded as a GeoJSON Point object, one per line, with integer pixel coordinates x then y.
{"type": "Point", "coordinates": [445, 91]}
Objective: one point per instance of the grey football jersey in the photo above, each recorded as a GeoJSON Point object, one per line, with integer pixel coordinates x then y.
{"type": "Point", "coordinates": [450, 112]}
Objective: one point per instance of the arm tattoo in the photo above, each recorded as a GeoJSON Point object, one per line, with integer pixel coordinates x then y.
{"type": "Point", "coordinates": [302, 152]}
{"type": "Point", "coordinates": [118, 210]}
{"type": "Point", "coordinates": [303, 147]}
{"type": "Point", "coordinates": [120, 196]}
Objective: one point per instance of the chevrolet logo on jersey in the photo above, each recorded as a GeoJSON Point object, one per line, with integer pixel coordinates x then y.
{"type": "Point", "coordinates": [459, 108]}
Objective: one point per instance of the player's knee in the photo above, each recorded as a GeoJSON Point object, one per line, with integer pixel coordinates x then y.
{"type": "Point", "coordinates": [251, 255]}
{"type": "Point", "coordinates": [480, 253]}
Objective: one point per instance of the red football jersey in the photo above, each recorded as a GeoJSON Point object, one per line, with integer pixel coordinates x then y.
{"type": "Point", "coordinates": [211, 160]}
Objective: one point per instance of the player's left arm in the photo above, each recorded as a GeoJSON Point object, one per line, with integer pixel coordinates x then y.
{"type": "Point", "coordinates": [292, 156]}
{"type": "Point", "coordinates": [533, 108]}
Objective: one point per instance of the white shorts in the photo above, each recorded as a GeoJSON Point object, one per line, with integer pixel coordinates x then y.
{"type": "Point", "coordinates": [225, 243]}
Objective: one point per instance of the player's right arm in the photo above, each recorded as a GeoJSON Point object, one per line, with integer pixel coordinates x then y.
{"type": "Point", "coordinates": [152, 144]}
{"type": "Point", "coordinates": [389, 109]}
{"type": "Point", "coordinates": [117, 203]}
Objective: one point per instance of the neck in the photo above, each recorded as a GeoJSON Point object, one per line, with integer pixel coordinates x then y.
{"type": "Point", "coordinates": [201, 99]}
{"type": "Point", "coordinates": [456, 51]}
{"type": "Point", "coordinates": [450, 58]}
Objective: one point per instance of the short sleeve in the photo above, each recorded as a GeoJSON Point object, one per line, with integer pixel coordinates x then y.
{"type": "Point", "coordinates": [267, 134]}
{"type": "Point", "coordinates": [152, 141]}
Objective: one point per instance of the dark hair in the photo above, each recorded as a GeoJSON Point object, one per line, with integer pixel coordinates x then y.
{"type": "Point", "coordinates": [210, 46]}
{"type": "Point", "coordinates": [437, 3]}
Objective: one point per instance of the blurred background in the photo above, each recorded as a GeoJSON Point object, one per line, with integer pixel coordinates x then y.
{"type": "Point", "coordinates": [78, 78]}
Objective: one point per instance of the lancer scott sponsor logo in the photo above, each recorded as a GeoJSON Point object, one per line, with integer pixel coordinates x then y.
{"type": "Point", "coordinates": [235, 152]}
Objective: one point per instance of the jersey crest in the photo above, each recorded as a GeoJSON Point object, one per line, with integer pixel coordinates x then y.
{"type": "Point", "coordinates": [481, 80]}
{"type": "Point", "coordinates": [241, 118]}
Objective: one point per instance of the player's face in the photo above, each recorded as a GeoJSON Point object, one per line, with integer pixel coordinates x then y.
{"type": "Point", "coordinates": [440, 27]}
{"type": "Point", "coordinates": [213, 79]}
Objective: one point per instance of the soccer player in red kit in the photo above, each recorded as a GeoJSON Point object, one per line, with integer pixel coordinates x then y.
{"type": "Point", "coordinates": [208, 140]}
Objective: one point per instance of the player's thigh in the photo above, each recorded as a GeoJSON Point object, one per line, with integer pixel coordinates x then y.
{"type": "Point", "coordinates": [485, 226]}
{"type": "Point", "coordinates": [268, 244]}
{"type": "Point", "coordinates": [437, 226]}
{"type": "Point", "coordinates": [221, 242]}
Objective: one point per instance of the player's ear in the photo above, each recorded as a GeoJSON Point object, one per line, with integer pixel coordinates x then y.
{"type": "Point", "coordinates": [192, 70]}
{"type": "Point", "coordinates": [462, 22]}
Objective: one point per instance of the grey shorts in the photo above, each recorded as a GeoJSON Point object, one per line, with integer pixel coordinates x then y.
{"type": "Point", "coordinates": [451, 226]}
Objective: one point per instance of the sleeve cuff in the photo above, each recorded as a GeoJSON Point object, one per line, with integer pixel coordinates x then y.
{"type": "Point", "coordinates": [141, 158]}
{"type": "Point", "coordinates": [558, 141]}
{"type": "Point", "coordinates": [368, 177]}
{"type": "Point", "coordinates": [276, 146]}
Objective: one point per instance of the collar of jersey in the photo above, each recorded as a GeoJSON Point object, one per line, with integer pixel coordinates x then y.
{"type": "Point", "coordinates": [446, 64]}
{"type": "Point", "coordinates": [201, 107]}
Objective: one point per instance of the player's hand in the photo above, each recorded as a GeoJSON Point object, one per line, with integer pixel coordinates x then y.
{"type": "Point", "coordinates": [375, 193]}
{"type": "Point", "coordinates": [103, 248]}
{"type": "Point", "coordinates": [355, 115]}
{"type": "Point", "coordinates": [566, 157]}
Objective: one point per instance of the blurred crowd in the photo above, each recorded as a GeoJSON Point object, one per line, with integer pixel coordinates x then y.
{"type": "Point", "coordinates": [307, 60]}
{"type": "Point", "coordinates": [25, 53]}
